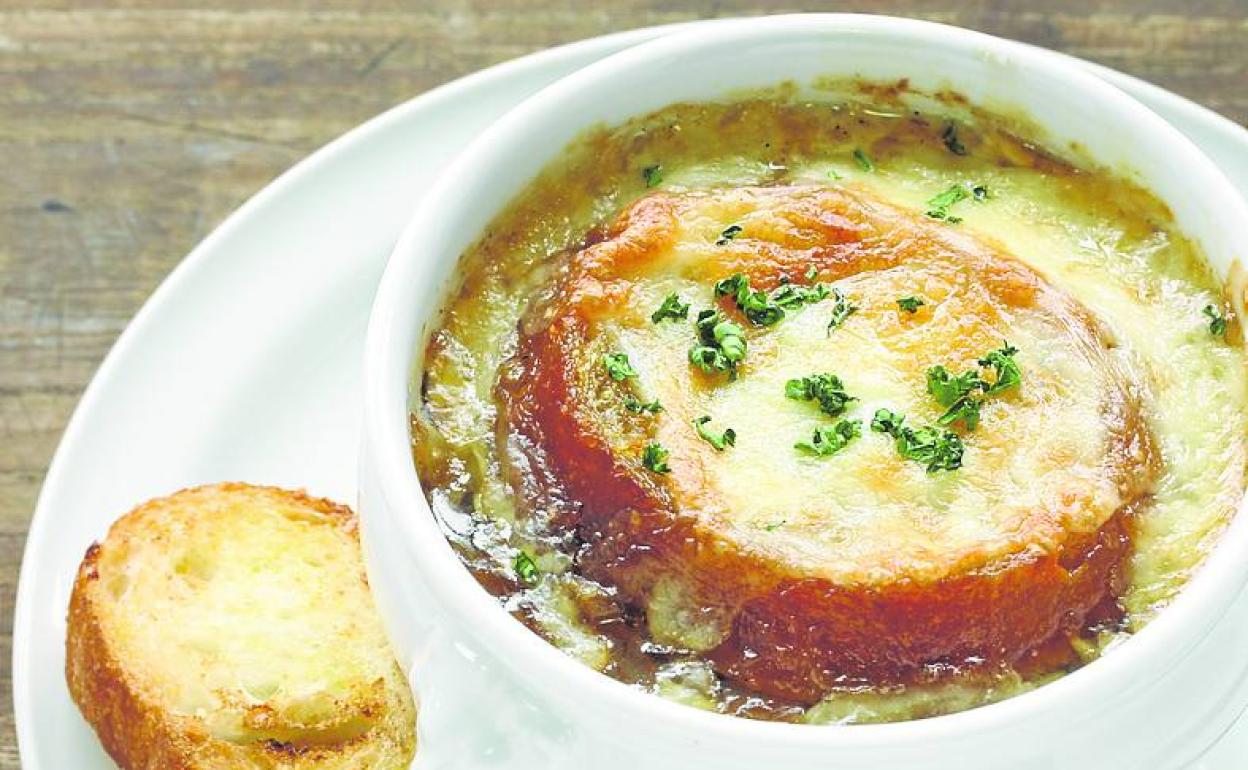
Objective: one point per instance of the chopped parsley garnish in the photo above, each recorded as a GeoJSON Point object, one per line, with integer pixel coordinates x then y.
{"type": "Point", "coordinates": [938, 449]}
{"type": "Point", "coordinates": [964, 409]}
{"type": "Point", "coordinates": [791, 296]}
{"type": "Point", "coordinates": [618, 367]}
{"type": "Point", "coordinates": [654, 457]}
{"type": "Point", "coordinates": [863, 161]}
{"type": "Point", "coordinates": [760, 309]}
{"type": "Point", "coordinates": [722, 344]}
{"type": "Point", "coordinates": [672, 308]}
{"type": "Point", "coordinates": [727, 438]}
{"type": "Point", "coordinates": [886, 421]}
{"type": "Point", "coordinates": [1217, 321]}
{"type": "Point", "coordinates": [830, 439]}
{"type": "Point", "coordinates": [950, 137]}
{"type": "Point", "coordinates": [911, 304]}
{"type": "Point", "coordinates": [653, 175]}
{"type": "Point", "coordinates": [525, 567]}
{"type": "Point", "coordinates": [730, 232]}
{"type": "Point", "coordinates": [637, 406]}
{"type": "Point", "coordinates": [949, 389]}
{"type": "Point", "coordinates": [842, 309]}
{"type": "Point", "coordinates": [766, 310]}
{"type": "Point", "coordinates": [1003, 363]}
{"type": "Point", "coordinates": [827, 389]}
{"type": "Point", "coordinates": [956, 393]}
{"type": "Point", "coordinates": [938, 207]}
{"type": "Point", "coordinates": [773, 526]}
{"type": "Point", "coordinates": [834, 176]}
{"type": "Point", "coordinates": [812, 273]}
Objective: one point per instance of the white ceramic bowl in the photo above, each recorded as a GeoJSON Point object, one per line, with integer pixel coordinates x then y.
{"type": "Point", "coordinates": [493, 694]}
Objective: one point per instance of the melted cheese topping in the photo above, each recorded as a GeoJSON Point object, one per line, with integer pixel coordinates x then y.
{"type": "Point", "coordinates": [1108, 244]}
{"type": "Point", "coordinates": [1118, 256]}
{"type": "Point", "coordinates": [868, 515]}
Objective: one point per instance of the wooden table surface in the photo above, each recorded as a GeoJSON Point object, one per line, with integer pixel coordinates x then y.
{"type": "Point", "coordinates": [129, 130]}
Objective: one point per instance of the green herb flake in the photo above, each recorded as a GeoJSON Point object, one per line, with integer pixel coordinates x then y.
{"type": "Point", "coordinates": [938, 207]}
{"type": "Point", "coordinates": [830, 439]}
{"type": "Point", "coordinates": [886, 421]}
{"type": "Point", "coordinates": [911, 304]}
{"type": "Point", "coordinates": [654, 458]}
{"type": "Point", "coordinates": [842, 309]}
{"type": "Point", "coordinates": [721, 344]}
{"type": "Point", "coordinates": [834, 176]}
{"type": "Point", "coordinates": [793, 296]}
{"type": "Point", "coordinates": [637, 406]}
{"type": "Point", "coordinates": [1008, 375]}
{"type": "Point", "coordinates": [672, 308]}
{"type": "Point", "coordinates": [826, 389]}
{"type": "Point", "coordinates": [525, 568]}
{"type": "Point", "coordinates": [618, 367]}
{"type": "Point", "coordinates": [950, 137]}
{"type": "Point", "coordinates": [730, 232]}
{"type": "Point", "coordinates": [812, 273]}
{"type": "Point", "coordinates": [773, 526]}
{"type": "Point", "coordinates": [760, 309]}
{"type": "Point", "coordinates": [1217, 321]}
{"type": "Point", "coordinates": [949, 389]}
{"type": "Point", "coordinates": [763, 309]}
{"type": "Point", "coordinates": [964, 409]}
{"type": "Point", "coordinates": [864, 162]}
{"type": "Point", "coordinates": [937, 448]}
{"type": "Point", "coordinates": [653, 175]}
{"type": "Point", "coordinates": [956, 393]}
{"type": "Point", "coordinates": [725, 439]}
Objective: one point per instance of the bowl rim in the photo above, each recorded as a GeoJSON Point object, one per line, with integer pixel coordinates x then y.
{"type": "Point", "coordinates": [389, 364]}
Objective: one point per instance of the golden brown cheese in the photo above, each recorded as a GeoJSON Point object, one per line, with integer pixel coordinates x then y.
{"type": "Point", "coordinates": [1096, 243]}
{"type": "Point", "coordinates": [809, 572]}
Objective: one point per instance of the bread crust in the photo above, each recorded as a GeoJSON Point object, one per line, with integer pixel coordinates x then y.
{"type": "Point", "coordinates": [788, 629]}
{"type": "Point", "coordinates": [140, 731]}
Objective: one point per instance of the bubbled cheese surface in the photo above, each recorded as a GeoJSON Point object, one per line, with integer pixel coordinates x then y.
{"type": "Point", "coordinates": [1048, 459]}
{"type": "Point", "coordinates": [864, 513]}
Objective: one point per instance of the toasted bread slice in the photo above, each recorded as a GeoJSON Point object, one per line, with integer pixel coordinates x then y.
{"type": "Point", "coordinates": [231, 626]}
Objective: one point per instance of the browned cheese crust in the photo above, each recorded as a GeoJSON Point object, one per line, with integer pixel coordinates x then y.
{"type": "Point", "coordinates": [841, 596]}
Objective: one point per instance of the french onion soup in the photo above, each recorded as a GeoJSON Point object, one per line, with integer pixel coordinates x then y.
{"type": "Point", "coordinates": [832, 412]}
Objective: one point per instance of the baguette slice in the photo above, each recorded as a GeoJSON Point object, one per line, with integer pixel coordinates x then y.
{"type": "Point", "coordinates": [231, 626]}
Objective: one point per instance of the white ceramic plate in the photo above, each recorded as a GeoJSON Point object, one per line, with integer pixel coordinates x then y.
{"type": "Point", "coordinates": [245, 364]}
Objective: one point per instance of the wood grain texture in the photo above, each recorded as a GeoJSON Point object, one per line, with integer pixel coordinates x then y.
{"type": "Point", "coordinates": [129, 130]}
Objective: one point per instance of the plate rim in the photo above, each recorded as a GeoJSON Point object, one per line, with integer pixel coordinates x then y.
{"type": "Point", "coordinates": [184, 272]}
{"type": "Point", "coordinates": [196, 260]}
